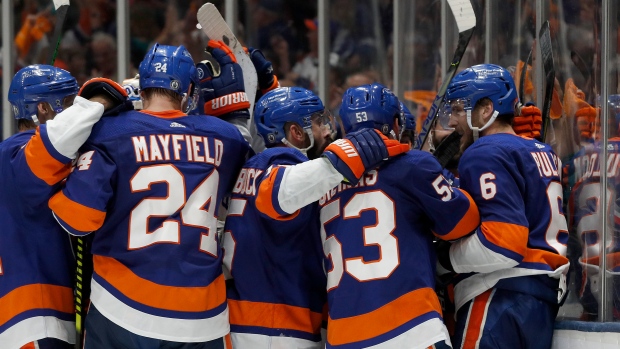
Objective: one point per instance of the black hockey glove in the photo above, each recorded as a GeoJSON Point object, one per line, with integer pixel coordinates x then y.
{"type": "Point", "coordinates": [267, 80]}
{"type": "Point", "coordinates": [111, 90]}
{"type": "Point", "coordinates": [442, 249]}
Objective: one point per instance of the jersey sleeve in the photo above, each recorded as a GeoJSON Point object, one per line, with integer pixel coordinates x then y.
{"type": "Point", "coordinates": [452, 212]}
{"type": "Point", "coordinates": [80, 207]}
{"type": "Point", "coordinates": [48, 153]}
{"type": "Point", "coordinates": [501, 240]}
{"type": "Point", "coordinates": [291, 183]}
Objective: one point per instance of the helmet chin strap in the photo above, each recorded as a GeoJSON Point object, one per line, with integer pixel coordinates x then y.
{"type": "Point", "coordinates": [303, 150]}
{"type": "Point", "coordinates": [478, 130]}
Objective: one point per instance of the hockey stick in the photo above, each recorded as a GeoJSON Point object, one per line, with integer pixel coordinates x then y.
{"type": "Point", "coordinates": [84, 271]}
{"type": "Point", "coordinates": [523, 73]}
{"type": "Point", "coordinates": [214, 26]}
{"type": "Point", "coordinates": [544, 38]}
{"type": "Point", "coordinates": [466, 22]}
{"type": "Point", "coordinates": [61, 7]}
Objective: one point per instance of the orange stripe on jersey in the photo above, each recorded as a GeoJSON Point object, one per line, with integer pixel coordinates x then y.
{"type": "Point", "coordinates": [190, 299]}
{"type": "Point", "coordinates": [271, 315]}
{"type": "Point", "coordinates": [613, 260]}
{"type": "Point", "coordinates": [166, 114]}
{"type": "Point", "coordinates": [78, 216]}
{"type": "Point", "coordinates": [35, 296]}
{"type": "Point", "coordinates": [263, 199]}
{"type": "Point", "coordinates": [467, 224]}
{"type": "Point", "coordinates": [42, 164]}
{"type": "Point", "coordinates": [510, 236]}
{"type": "Point", "coordinates": [385, 319]}
{"type": "Point", "coordinates": [475, 320]}
{"type": "Point", "coordinates": [553, 260]}
{"type": "Point", "coordinates": [228, 342]}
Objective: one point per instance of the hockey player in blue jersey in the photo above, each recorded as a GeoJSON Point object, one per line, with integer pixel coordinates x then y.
{"type": "Point", "coordinates": [273, 252]}
{"type": "Point", "coordinates": [149, 184]}
{"type": "Point", "coordinates": [377, 239]}
{"type": "Point", "coordinates": [36, 261]}
{"type": "Point", "coordinates": [510, 269]}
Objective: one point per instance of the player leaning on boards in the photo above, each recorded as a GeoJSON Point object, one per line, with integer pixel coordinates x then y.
{"type": "Point", "coordinates": [149, 184]}
{"type": "Point", "coordinates": [36, 261]}
{"type": "Point", "coordinates": [510, 269]}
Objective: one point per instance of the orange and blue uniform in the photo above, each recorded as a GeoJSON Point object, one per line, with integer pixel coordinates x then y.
{"type": "Point", "coordinates": [149, 185]}
{"type": "Point", "coordinates": [277, 295]}
{"type": "Point", "coordinates": [518, 254]}
{"type": "Point", "coordinates": [36, 260]}
{"type": "Point", "coordinates": [379, 256]}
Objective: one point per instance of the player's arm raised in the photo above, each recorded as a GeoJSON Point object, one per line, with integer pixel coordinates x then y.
{"type": "Point", "coordinates": [345, 159]}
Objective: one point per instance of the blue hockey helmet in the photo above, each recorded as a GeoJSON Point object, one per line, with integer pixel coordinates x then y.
{"type": "Point", "coordinates": [168, 67]}
{"type": "Point", "coordinates": [282, 105]}
{"type": "Point", "coordinates": [369, 106]}
{"type": "Point", "coordinates": [40, 83]}
{"type": "Point", "coordinates": [484, 81]}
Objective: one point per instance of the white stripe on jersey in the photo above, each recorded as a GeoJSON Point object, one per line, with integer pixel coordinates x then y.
{"type": "Point", "coordinates": [35, 328]}
{"type": "Point", "coordinates": [152, 326]}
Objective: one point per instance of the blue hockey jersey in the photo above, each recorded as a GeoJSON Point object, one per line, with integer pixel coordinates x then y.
{"type": "Point", "coordinates": [36, 261]}
{"type": "Point", "coordinates": [377, 240]}
{"type": "Point", "coordinates": [275, 261]}
{"type": "Point", "coordinates": [585, 207]}
{"type": "Point", "coordinates": [515, 182]}
{"type": "Point", "coordinates": [149, 185]}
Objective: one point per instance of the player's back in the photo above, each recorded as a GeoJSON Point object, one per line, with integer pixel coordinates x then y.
{"type": "Point", "coordinates": [155, 185]}
{"type": "Point", "coordinates": [533, 181]}
{"type": "Point", "coordinates": [276, 264]}
{"type": "Point", "coordinates": [36, 261]}
{"type": "Point", "coordinates": [516, 183]}
{"type": "Point", "coordinates": [379, 255]}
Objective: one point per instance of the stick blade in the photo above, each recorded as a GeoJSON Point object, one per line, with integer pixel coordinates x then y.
{"type": "Point", "coordinates": [59, 3]}
{"type": "Point", "coordinates": [463, 13]}
{"type": "Point", "coordinates": [215, 27]}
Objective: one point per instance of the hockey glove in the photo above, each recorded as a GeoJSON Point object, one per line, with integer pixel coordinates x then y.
{"type": "Point", "coordinates": [111, 90]}
{"type": "Point", "coordinates": [221, 83]}
{"type": "Point", "coordinates": [267, 80]}
{"type": "Point", "coordinates": [529, 123]}
{"type": "Point", "coordinates": [586, 122]}
{"type": "Point", "coordinates": [442, 249]}
{"type": "Point", "coordinates": [361, 151]}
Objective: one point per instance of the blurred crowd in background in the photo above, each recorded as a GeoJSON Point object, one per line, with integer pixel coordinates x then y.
{"type": "Point", "coordinates": [361, 36]}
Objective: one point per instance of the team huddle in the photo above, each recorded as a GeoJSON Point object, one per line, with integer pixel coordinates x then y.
{"type": "Point", "coordinates": [331, 237]}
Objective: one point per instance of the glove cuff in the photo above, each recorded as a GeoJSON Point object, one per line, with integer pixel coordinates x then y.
{"type": "Point", "coordinates": [275, 84]}
{"type": "Point", "coordinates": [227, 104]}
{"type": "Point", "coordinates": [341, 167]}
